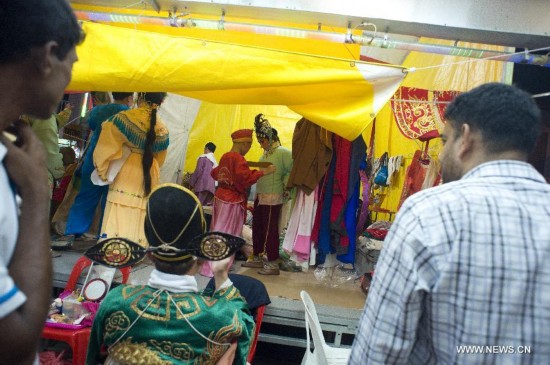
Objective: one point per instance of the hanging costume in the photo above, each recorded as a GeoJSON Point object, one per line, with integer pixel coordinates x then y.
{"type": "Point", "coordinates": [334, 229]}
{"type": "Point", "coordinates": [125, 210]}
{"type": "Point", "coordinates": [311, 153]}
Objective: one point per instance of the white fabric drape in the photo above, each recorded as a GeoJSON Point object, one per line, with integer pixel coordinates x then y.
{"type": "Point", "coordinates": [178, 113]}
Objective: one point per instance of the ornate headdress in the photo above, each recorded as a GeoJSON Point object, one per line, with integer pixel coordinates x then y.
{"type": "Point", "coordinates": [175, 228]}
{"type": "Point", "coordinates": [262, 127]}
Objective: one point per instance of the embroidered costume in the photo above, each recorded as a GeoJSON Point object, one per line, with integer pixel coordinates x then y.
{"type": "Point", "coordinates": [234, 179]}
{"type": "Point", "coordinates": [89, 195]}
{"type": "Point", "coordinates": [146, 324]}
{"type": "Point", "coordinates": [125, 209]}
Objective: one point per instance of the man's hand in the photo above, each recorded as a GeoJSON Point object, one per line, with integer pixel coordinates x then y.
{"type": "Point", "coordinates": [221, 270]}
{"type": "Point", "coordinates": [26, 165]}
{"type": "Point", "coordinates": [268, 170]}
{"type": "Point", "coordinates": [222, 266]}
{"type": "Point", "coordinates": [229, 355]}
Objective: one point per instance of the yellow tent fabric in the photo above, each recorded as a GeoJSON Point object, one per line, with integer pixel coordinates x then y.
{"type": "Point", "coordinates": [449, 73]}
{"type": "Point", "coordinates": [340, 95]}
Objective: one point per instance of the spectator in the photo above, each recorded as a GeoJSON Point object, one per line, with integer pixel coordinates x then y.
{"type": "Point", "coordinates": [37, 46]}
{"type": "Point", "coordinates": [465, 263]}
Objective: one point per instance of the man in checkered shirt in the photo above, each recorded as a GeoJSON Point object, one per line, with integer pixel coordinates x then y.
{"type": "Point", "coordinates": [464, 275]}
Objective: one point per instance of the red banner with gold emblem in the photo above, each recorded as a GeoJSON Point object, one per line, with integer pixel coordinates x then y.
{"type": "Point", "coordinates": [419, 111]}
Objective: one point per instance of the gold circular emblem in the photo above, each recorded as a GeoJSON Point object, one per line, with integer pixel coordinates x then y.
{"type": "Point", "coordinates": [117, 253]}
{"type": "Point", "coordinates": [214, 247]}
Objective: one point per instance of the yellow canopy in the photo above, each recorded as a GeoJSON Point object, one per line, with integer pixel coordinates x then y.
{"type": "Point", "coordinates": [340, 95]}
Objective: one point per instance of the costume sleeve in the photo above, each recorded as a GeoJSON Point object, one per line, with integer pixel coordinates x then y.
{"type": "Point", "coordinates": [109, 147]}
{"type": "Point", "coordinates": [287, 166]}
{"type": "Point", "coordinates": [388, 325]}
{"type": "Point", "coordinates": [244, 176]}
{"type": "Point", "coordinates": [199, 171]}
{"type": "Point", "coordinates": [96, 335]}
{"type": "Point", "coordinates": [245, 319]}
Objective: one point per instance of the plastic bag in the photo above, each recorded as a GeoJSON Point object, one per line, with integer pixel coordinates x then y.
{"type": "Point", "coordinates": [334, 276]}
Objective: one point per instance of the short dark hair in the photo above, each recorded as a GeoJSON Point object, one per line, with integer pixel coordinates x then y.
{"type": "Point", "coordinates": [100, 97]}
{"type": "Point", "coordinates": [507, 117]}
{"type": "Point", "coordinates": [33, 23]}
{"type": "Point", "coordinates": [120, 96]}
{"type": "Point", "coordinates": [211, 147]}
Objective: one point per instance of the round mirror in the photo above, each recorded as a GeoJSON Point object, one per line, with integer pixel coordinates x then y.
{"type": "Point", "coordinates": [95, 290]}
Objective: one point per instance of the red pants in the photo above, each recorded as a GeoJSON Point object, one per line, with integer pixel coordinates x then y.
{"type": "Point", "coordinates": [265, 230]}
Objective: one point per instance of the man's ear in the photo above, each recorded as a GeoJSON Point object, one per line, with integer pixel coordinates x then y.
{"type": "Point", "coordinates": [45, 58]}
{"type": "Point", "coordinates": [468, 140]}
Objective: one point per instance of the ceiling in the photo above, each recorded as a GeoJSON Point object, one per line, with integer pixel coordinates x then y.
{"type": "Point", "coordinates": [521, 24]}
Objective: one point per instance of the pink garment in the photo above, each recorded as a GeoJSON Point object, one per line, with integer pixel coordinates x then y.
{"type": "Point", "coordinates": [298, 235]}
{"type": "Point", "coordinates": [227, 218]}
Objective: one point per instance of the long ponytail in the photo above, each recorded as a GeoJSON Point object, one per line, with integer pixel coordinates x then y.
{"type": "Point", "coordinates": [155, 99]}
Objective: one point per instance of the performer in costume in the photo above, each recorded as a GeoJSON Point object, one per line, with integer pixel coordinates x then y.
{"type": "Point", "coordinates": [141, 136]}
{"type": "Point", "coordinates": [269, 199]}
{"type": "Point", "coordinates": [168, 321]}
{"type": "Point", "coordinates": [83, 209]}
{"type": "Point", "coordinates": [234, 179]}
{"type": "Point", "coordinates": [204, 185]}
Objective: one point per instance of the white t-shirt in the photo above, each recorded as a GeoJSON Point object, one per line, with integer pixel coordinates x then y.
{"type": "Point", "coordinates": [10, 295]}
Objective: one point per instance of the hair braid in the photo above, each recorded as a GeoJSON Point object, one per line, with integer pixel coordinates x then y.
{"type": "Point", "coordinates": [147, 161]}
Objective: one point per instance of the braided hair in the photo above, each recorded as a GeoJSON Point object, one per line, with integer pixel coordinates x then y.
{"type": "Point", "coordinates": [154, 99]}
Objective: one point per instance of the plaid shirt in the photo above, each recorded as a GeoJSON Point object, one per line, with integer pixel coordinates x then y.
{"type": "Point", "coordinates": [464, 264]}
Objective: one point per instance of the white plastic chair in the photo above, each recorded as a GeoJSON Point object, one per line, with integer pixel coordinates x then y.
{"type": "Point", "coordinates": [323, 354]}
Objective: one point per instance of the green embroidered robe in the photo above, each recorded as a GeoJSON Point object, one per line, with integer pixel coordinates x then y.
{"type": "Point", "coordinates": [161, 335]}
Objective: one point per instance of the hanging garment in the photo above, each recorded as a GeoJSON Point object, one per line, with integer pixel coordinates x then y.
{"type": "Point", "coordinates": [298, 235]}
{"type": "Point", "coordinates": [358, 155]}
{"type": "Point", "coordinates": [312, 153]}
{"type": "Point", "coordinates": [340, 240]}
{"type": "Point", "coordinates": [414, 177]}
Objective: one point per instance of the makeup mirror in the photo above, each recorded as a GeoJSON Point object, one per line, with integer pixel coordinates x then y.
{"type": "Point", "coordinates": [95, 290]}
